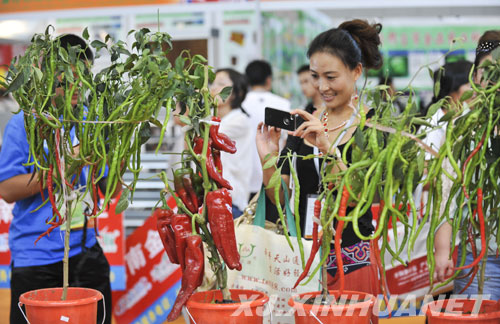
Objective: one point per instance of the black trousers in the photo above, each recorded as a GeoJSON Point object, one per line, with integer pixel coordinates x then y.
{"type": "Point", "coordinates": [89, 269]}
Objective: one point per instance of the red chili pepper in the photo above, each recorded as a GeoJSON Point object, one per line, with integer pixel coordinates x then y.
{"type": "Point", "coordinates": [189, 187]}
{"type": "Point", "coordinates": [163, 225]}
{"type": "Point", "coordinates": [192, 276]}
{"type": "Point", "coordinates": [181, 226]}
{"type": "Point", "coordinates": [181, 178]}
{"type": "Point", "coordinates": [338, 237]}
{"type": "Point", "coordinates": [482, 229]}
{"type": "Point", "coordinates": [221, 141]}
{"type": "Point", "coordinates": [220, 218]}
{"type": "Point", "coordinates": [316, 243]}
{"type": "Point", "coordinates": [474, 152]}
{"type": "Point", "coordinates": [40, 183]}
{"type": "Point", "coordinates": [211, 169]}
{"type": "Point", "coordinates": [217, 160]}
{"type": "Point", "coordinates": [50, 189]}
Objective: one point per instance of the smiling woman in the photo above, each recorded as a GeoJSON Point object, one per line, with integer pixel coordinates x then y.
{"type": "Point", "coordinates": [337, 59]}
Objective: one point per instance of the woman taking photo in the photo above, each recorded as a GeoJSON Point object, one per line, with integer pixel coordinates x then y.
{"type": "Point", "coordinates": [337, 60]}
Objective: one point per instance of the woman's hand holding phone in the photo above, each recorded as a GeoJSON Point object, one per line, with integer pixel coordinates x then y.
{"type": "Point", "coordinates": [312, 130]}
{"type": "Point", "coordinates": [267, 140]}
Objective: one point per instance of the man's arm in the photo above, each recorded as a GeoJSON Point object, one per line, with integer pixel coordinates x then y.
{"type": "Point", "coordinates": [19, 187]}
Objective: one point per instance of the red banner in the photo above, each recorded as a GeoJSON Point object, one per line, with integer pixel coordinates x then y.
{"type": "Point", "coordinates": [151, 279]}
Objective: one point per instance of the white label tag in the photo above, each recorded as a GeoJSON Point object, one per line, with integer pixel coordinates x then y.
{"type": "Point", "coordinates": [310, 216]}
{"type": "Point", "coordinates": [64, 319]}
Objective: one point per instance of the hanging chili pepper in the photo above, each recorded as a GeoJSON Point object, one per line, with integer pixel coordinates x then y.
{"type": "Point", "coordinates": [338, 238]}
{"type": "Point", "coordinates": [181, 226]}
{"type": "Point", "coordinates": [482, 229]}
{"type": "Point", "coordinates": [181, 179]}
{"type": "Point", "coordinates": [192, 276]}
{"type": "Point", "coordinates": [163, 225]}
{"type": "Point", "coordinates": [189, 186]}
{"type": "Point", "coordinates": [58, 218]}
{"type": "Point", "coordinates": [464, 168]}
{"type": "Point", "coordinates": [220, 218]}
{"type": "Point", "coordinates": [217, 160]}
{"type": "Point", "coordinates": [221, 141]}
{"type": "Point", "coordinates": [316, 242]}
{"type": "Point", "coordinates": [211, 169]}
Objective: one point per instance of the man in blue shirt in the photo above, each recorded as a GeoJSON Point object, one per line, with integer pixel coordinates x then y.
{"type": "Point", "coordinates": [40, 266]}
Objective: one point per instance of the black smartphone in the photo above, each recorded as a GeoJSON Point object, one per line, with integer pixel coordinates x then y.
{"type": "Point", "coordinates": [282, 119]}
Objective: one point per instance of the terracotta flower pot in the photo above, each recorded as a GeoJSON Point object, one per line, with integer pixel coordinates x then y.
{"type": "Point", "coordinates": [249, 309]}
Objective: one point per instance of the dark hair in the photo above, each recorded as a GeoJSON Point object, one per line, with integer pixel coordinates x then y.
{"type": "Point", "coordinates": [353, 42]}
{"type": "Point", "coordinates": [257, 72]}
{"type": "Point", "coordinates": [492, 36]}
{"type": "Point", "coordinates": [240, 87]}
{"type": "Point", "coordinates": [303, 68]}
{"type": "Point", "coordinates": [69, 40]}
{"type": "Point", "coordinates": [451, 78]}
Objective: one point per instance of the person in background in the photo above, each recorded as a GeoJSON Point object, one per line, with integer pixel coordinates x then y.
{"type": "Point", "coordinates": [40, 266]}
{"type": "Point", "coordinates": [308, 89]}
{"type": "Point", "coordinates": [235, 123]}
{"type": "Point", "coordinates": [7, 106]}
{"type": "Point", "coordinates": [487, 43]}
{"type": "Point", "coordinates": [259, 75]}
{"type": "Point", "coordinates": [337, 59]}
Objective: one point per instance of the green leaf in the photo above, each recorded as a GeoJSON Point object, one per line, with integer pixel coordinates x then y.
{"type": "Point", "coordinates": [123, 202]}
{"type": "Point", "coordinates": [179, 64]}
{"type": "Point", "coordinates": [85, 34]}
{"type": "Point", "coordinates": [185, 119]}
{"type": "Point", "coordinates": [97, 44]}
{"type": "Point", "coordinates": [359, 139]}
{"type": "Point", "coordinates": [275, 179]}
{"type": "Point", "coordinates": [155, 122]}
{"type": "Point", "coordinates": [466, 95]}
{"type": "Point", "coordinates": [225, 93]}
{"type": "Point", "coordinates": [199, 58]}
{"type": "Point", "coordinates": [270, 163]}
{"type": "Point", "coordinates": [38, 73]}
{"type": "Point", "coordinates": [145, 133]}
{"type": "Point", "coordinates": [433, 109]}
{"type": "Point", "coordinates": [17, 82]}
{"type": "Point", "coordinates": [447, 117]}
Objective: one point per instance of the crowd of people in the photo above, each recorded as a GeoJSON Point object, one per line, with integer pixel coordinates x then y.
{"type": "Point", "coordinates": [337, 59]}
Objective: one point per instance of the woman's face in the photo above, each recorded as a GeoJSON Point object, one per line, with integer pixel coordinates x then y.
{"type": "Point", "coordinates": [333, 79]}
{"type": "Point", "coordinates": [221, 81]}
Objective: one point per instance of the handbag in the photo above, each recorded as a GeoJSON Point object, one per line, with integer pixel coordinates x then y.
{"type": "Point", "coordinates": [268, 263]}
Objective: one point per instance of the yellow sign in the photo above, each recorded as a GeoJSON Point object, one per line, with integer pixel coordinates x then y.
{"type": "Point", "coordinates": [16, 6]}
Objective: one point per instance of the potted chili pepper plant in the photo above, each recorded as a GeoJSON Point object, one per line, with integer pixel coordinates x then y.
{"type": "Point", "coordinates": [99, 136]}
{"type": "Point", "coordinates": [204, 211]}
